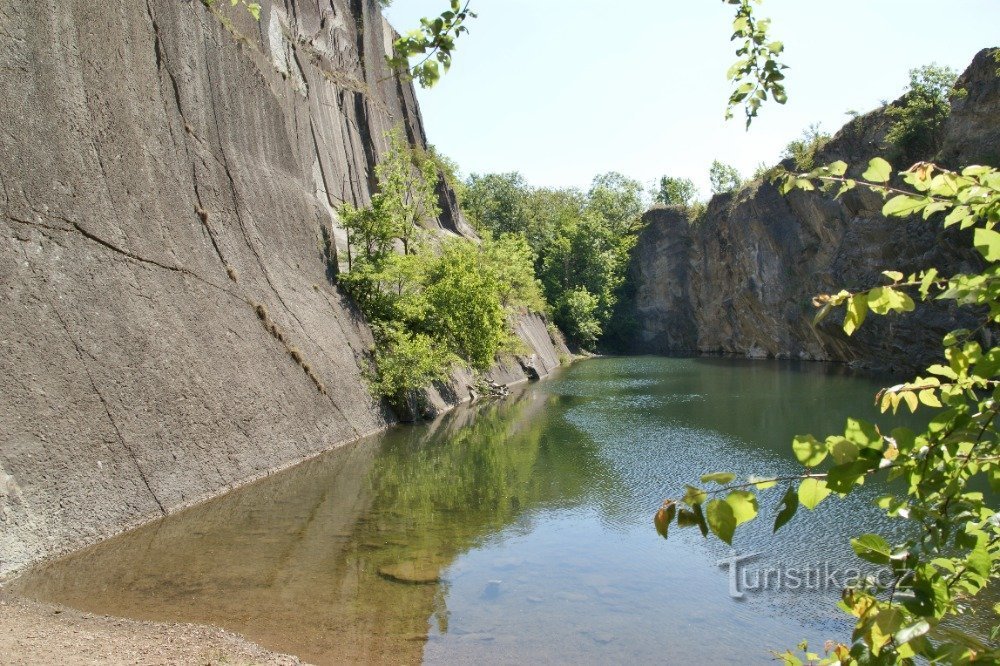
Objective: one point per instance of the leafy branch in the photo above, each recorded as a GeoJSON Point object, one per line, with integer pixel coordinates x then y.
{"type": "Point", "coordinates": [954, 552]}
{"type": "Point", "coordinates": [435, 40]}
{"type": "Point", "coordinates": [758, 73]}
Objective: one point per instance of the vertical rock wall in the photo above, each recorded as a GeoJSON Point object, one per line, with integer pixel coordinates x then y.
{"type": "Point", "coordinates": [169, 326]}
{"type": "Point", "coordinates": [741, 280]}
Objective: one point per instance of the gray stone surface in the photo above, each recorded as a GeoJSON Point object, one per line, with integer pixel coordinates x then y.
{"type": "Point", "coordinates": [741, 281]}
{"type": "Point", "coordinates": [169, 327]}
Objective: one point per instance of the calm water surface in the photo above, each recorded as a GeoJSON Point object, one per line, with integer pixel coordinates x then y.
{"type": "Point", "coordinates": [511, 532]}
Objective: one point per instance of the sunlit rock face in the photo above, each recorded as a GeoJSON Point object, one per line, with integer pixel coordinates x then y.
{"type": "Point", "coordinates": [741, 279]}
{"type": "Point", "coordinates": [169, 321]}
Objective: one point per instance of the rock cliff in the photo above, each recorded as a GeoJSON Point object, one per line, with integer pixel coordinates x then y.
{"type": "Point", "coordinates": [741, 279]}
{"type": "Point", "coordinates": [169, 323]}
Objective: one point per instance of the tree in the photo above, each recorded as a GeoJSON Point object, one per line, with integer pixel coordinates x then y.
{"type": "Point", "coordinates": [724, 178]}
{"type": "Point", "coordinates": [953, 549]}
{"type": "Point", "coordinates": [618, 200]}
{"type": "Point", "coordinates": [923, 110]}
{"type": "Point", "coordinates": [496, 202]}
{"type": "Point", "coordinates": [407, 182]}
{"type": "Point", "coordinates": [675, 192]}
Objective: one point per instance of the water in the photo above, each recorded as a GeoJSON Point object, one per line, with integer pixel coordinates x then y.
{"type": "Point", "coordinates": [511, 532]}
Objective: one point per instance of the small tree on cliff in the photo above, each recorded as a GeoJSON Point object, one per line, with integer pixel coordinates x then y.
{"type": "Point", "coordinates": [724, 178]}
{"type": "Point", "coordinates": [675, 192]}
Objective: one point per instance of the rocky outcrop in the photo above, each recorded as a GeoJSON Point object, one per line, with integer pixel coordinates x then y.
{"type": "Point", "coordinates": [741, 279]}
{"type": "Point", "coordinates": [169, 322]}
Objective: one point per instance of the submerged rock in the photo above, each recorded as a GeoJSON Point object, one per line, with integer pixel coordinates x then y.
{"type": "Point", "coordinates": [411, 572]}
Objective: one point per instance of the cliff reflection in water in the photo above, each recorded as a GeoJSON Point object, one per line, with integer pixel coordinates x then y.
{"type": "Point", "coordinates": [342, 558]}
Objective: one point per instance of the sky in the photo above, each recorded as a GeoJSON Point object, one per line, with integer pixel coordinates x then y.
{"type": "Point", "coordinates": [563, 90]}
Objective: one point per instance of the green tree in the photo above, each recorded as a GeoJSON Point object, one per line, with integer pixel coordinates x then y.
{"type": "Point", "coordinates": [496, 202]}
{"type": "Point", "coordinates": [675, 192]}
{"type": "Point", "coordinates": [407, 194]}
{"type": "Point", "coordinates": [576, 311]}
{"type": "Point", "coordinates": [617, 199]}
{"type": "Point", "coordinates": [724, 178]}
{"type": "Point", "coordinates": [924, 108]}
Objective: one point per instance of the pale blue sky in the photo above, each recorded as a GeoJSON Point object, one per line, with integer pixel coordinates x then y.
{"type": "Point", "coordinates": [562, 90]}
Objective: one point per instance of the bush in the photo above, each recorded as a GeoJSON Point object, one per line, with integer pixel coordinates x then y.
{"type": "Point", "coordinates": [804, 150]}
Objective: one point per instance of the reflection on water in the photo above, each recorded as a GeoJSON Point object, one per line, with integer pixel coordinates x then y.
{"type": "Point", "coordinates": [509, 532]}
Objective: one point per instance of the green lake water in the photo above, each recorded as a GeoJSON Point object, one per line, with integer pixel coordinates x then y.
{"type": "Point", "coordinates": [512, 532]}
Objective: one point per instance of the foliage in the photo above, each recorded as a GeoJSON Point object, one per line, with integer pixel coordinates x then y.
{"type": "Point", "coordinates": [580, 242]}
{"type": "Point", "coordinates": [495, 202]}
{"type": "Point", "coordinates": [407, 360]}
{"type": "Point", "coordinates": [724, 178]}
{"type": "Point", "coordinates": [954, 549]}
{"type": "Point", "coordinates": [924, 109]}
{"type": "Point", "coordinates": [435, 40]}
{"type": "Point", "coordinates": [429, 309]}
{"type": "Point", "coordinates": [464, 307]}
{"type": "Point", "coordinates": [675, 192]}
{"type": "Point", "coordinates": [407, 198]}
{"type": "Point", "coordinates": [577, 309]}
{"type": "Point", "coordinates": [757, 73]}
{"type": "Point", "coordinates": [448, 170]}
{"type": "Point", "coordinates": [617, 200]}
{"type": "Point", "coordinates": [803, 150]}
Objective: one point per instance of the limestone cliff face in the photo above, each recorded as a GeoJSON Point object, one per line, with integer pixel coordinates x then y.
{"type": "Point", "coordinates": [169, 324]}
{"type": "Point", "coordinates": [741, 280]}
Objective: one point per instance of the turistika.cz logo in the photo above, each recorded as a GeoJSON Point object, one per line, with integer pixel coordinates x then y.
{"type": "Point", "coordinates": [818, 577]}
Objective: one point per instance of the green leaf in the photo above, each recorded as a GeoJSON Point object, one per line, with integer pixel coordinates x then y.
{"type": "Point", "coordinates": [904, 205]}
{"type": "Point", "coordinates": [862, 433]}
{"type": "Point", "coordinates": [873, 548]}
{"type": "Point", "coordinates": [789, 505]}
{"type": "Point", "coordinates": [721, 519]}
{"type": "Point", "coordinates": [808, 450]}
{"type": "Point", "coordinates": [743, 504]}
{"type": "Point", "coordinates": [721, 478]}
{"type": "Point", "coordinates": [879, 171]}
{"type": "Point", "coordinates": [842, 450]}
{"type": "Point", "coordinates": [686, 518]}
{"type": "Point", "coordinates": [857, 310]}
{"type": "Point", "coordinates": [838, 168]}
{"type": "Point", "coordinates": [699, 516]}
{"type": "Point", "coordinates": [694, 496]}
{"type": "Point", "coordinates": [987, 242]}
{"type": "Point", "coordinates": [812, 492]}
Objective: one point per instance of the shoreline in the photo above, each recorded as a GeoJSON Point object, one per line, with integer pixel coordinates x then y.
{"type": "Point", "coordinates": [33, 632]}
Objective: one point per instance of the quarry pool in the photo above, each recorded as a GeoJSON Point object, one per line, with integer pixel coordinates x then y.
{"type": "Point", "coordinates": [513, 532]}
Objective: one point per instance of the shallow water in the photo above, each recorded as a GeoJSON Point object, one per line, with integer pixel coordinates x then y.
{"type": "Point", "coordinates": [512, 532]}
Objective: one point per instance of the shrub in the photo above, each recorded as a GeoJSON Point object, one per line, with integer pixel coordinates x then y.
{"type": "Point", "coordinates": [803, 150]}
